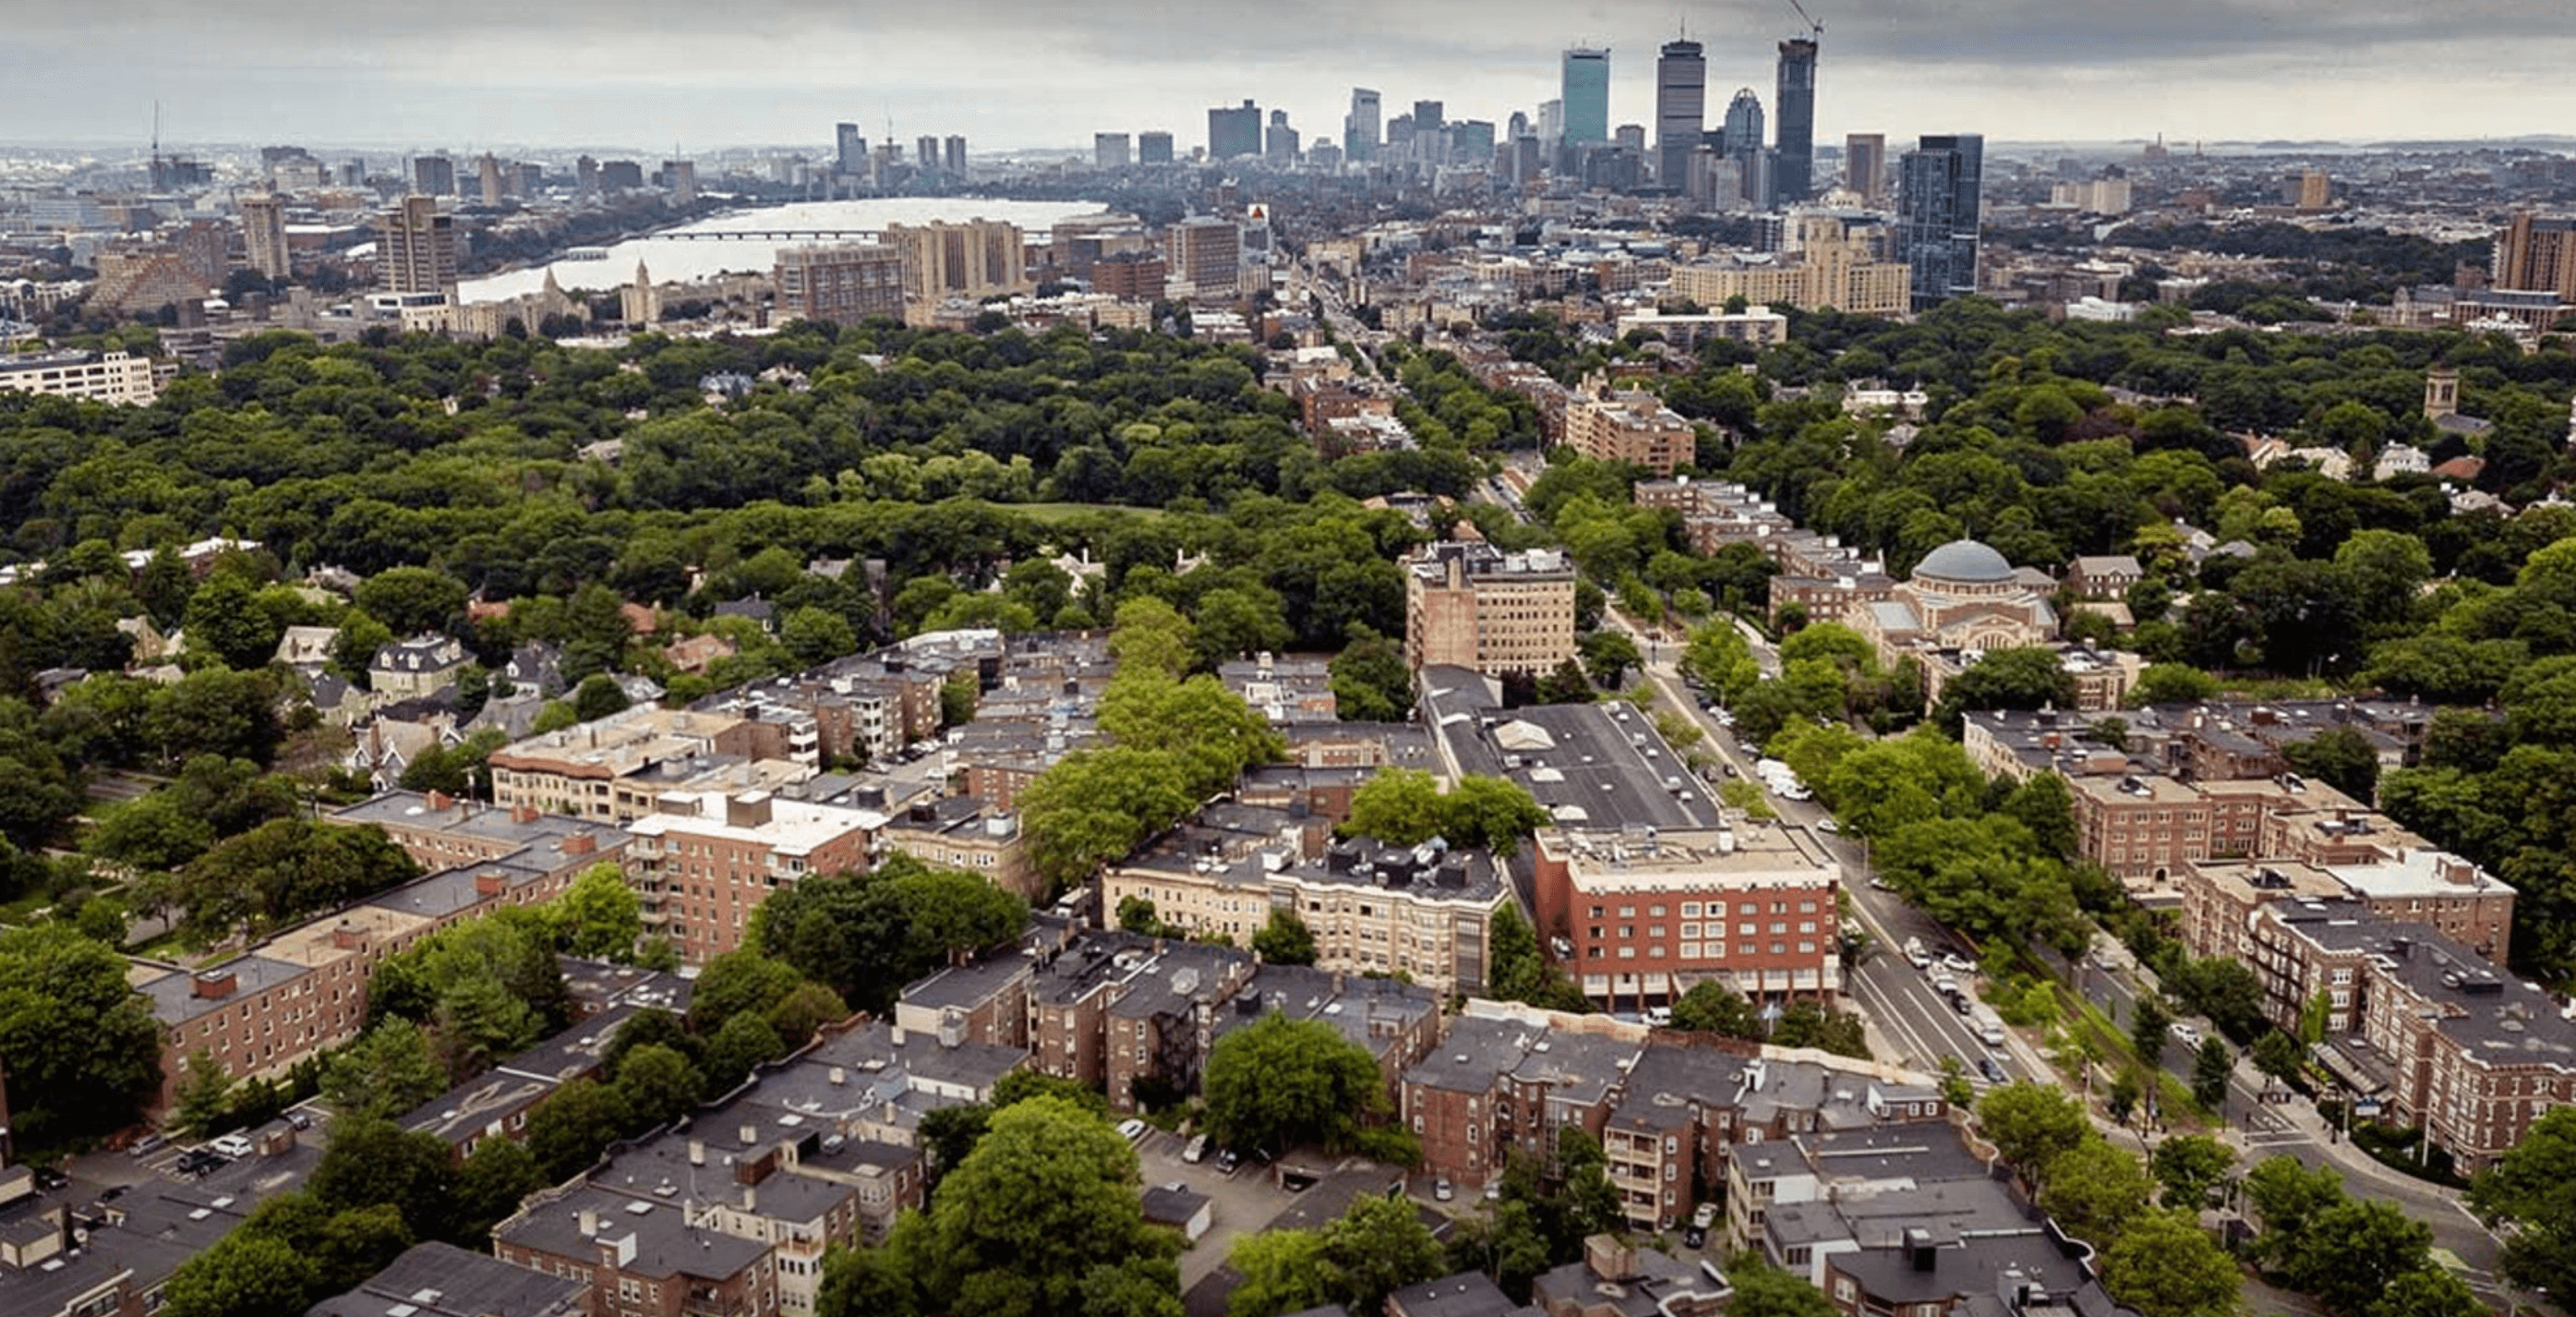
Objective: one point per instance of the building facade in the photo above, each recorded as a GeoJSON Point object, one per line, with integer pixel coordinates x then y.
{"type": "Point", "coordinates": [1939, 204]}
{"type": "Point", "coordinates": [843, 283]}
{"type": "Point", "coordinates": [1469, 604]}
{"type": "Point", "coordinates": [1793, 175]}
{"type": "Point", "coordinates": [109, 377]}
{"type": "Point", "coordinates": [416, 248]}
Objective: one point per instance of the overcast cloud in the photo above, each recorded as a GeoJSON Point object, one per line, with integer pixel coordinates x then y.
{"type": "Point", "coordinates": [701, 74]}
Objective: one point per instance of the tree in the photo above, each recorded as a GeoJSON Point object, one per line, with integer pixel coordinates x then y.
{"type": "Point", "coordinates": [658, 1085]}
{"type": "Point", "coordinates": [2279, 1055]}
{"type": "Point", "coordinates": [1095, 806]}
{"type": "Point", "coordinates": [1283, 1271]}
{"type": "Point", "coordinates": [1607, 656]}
{"type": "Point", "coordinates": [2094, 1190]}
{"type": "Point", "coordinates": [746, 1042]}
{"type": "Point", "coordinates": [2032, 1124]}
{"type": "Point", "coordinates": [1565, 684]}
{"type": "Point", "coordinates": [1762, 1290]}
{"type": "Point", "coordinates": [1377, 1247]}
{"type": "Point", "coordinates": [1712, 1007]}
{"type": "Point", "coordinates": [2350, 1252]}
{"type": "Point", "coordinates": [243, 1275]}
{"type": "Point", "coordinates": [387, 1072]}
{"type": "Point", "coordinates": [2124, 1095]}
{"type": "Point", "coordinates": [491, 1184]}
{"type": "Point", "coordinates": [1399, 806]}
{"type": "Point", "coordinates": [2210, 1070]}
{"type": "Point", "coordinates": [597, 697]}
{"type": "Point", "coordinates": [2341, 758]}
{"type": "Point", "coordinates": [2171, 683]}
{"type": "Point", "coordinates": [817, 635]}
{"type": "Point", "coordinates": [741, 980]}
{"type": "Point", "coordinates": [2165, 1266]}
{"type": "Point", "coordinates": [205, 1092]}
{"type": "Point", "coordinates": [84, 1052]}
{"type": "Point", "coordinates": [805, 1009]}
{"type": "Point", "coordinates": [2533, 1185]}
{"type": "Point", "coordinates": [2190, 1167]}
{"type": "Point", "coordinates": [568, 1133]}
{"type": "Point", "coordinates": [1047, 1196]}
{"type": "Point", "coordinates": [599, 916]}
{"type": "Point", "coordinates": [1148, 634]}
{"type": "Point", "coordinates": [2149, 1022]}
{"type": "Point", "coordinates": [1282, 1082]}
{"type": "Point", "coordinates": [2427, 1292]}
{"type": "Point", "coordinates": [1284, 939]}
{"type": "Point", "coordinates": [2286, 1196]}
{"type": "Point", "coordinates": [372, 1162]}
{"type": "Point", "coordinates": [2030, 677]}
{"type": "Point", "coordinates": [1369, 678]}
{"type": "Point", "coordinates": [411, 601]}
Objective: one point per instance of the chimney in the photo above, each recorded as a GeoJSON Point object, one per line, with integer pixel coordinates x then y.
{"type": "Point", "coordinates": [580, 843]}
{"type": "Point", "coordinates": [348, 937]}
{"type": "Point", "coordinates": [523, 814]}
{"type": "Point", "coordinates": [491, 884]}
{"type": "Point", "coordinates": [440, 800]}
{"type": "Point", "coordinates": [215, 984]}
{"type": "Point", "coordinates": [589, 1223]}
{"type": "Point", "coordinates": [697, 1152]}
{"type": "Point", "coordinates": [750, 1135]}
{"type": "Point", "coordinates": [1918, 1242]}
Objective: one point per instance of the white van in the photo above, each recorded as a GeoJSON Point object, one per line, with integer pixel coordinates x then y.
{"type": "Point", "coordinates": [235, 1146]}
{"type": "Point", "coordinates": [1197, 1150]}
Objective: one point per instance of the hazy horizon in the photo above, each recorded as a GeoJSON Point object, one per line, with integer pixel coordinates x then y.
{"type": "Point", "coordinates": [1011, 75]}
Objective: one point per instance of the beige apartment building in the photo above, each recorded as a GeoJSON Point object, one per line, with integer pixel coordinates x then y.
{"type": "Point", "coordinates": [1832, 269]}
{"type": "Point", "coordinates": [614, 767]}
{"type": "Point", "coordinates": [1469, 604]}
{"type": "Point", "coordinates": [1628, 425]}
{"type": "Point", "coordinates": [843, 283]}
{"type": "Point", "coordinates": [110, 377]}
{"type": "Point", "coordinates": [977, 259]}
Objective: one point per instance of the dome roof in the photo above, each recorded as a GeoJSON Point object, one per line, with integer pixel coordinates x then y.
{"type": "Point", "coordinates": [1966, 561]}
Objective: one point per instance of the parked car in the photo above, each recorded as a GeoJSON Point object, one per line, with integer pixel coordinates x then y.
{"type": "Point", "coordinates": [148, 1145]}
{"type": "Point", "coordinates": [1228, 1159]}
{"type": "Point", "coordinates": [1992, 1069]}
{"type": "Point", "coordinates": [2187, 1035]}
{"type": "Point", "coordinates": [1957, 964]}
{"type": "Point", "coordinates": [1131, 1129]}
{"type": "Point", "coordinates": [1915, 955]}
{"type": "Point", "coordinates": [1701, 1220]}
{"type": "Point", "coordinates": [1442, 1190]}
{"type": "Point", "coordinates": [232, 1146]}
{"type": "Point", "coordinates": [1196, 1150]}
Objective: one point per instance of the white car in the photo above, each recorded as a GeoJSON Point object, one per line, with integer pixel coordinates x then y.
{"type": "Point", "coordinates": [1829, 827]}
{"type": "Point", "coordinates": [2187, 1035]}
{"type": "Point", "coordinates": [1131, 1129]}
{"type": "Point", "coordinates": [235, 1146]}
{"type": "Point", "coordinates": [1957, 964]}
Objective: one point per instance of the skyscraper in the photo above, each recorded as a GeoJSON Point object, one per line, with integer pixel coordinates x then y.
{"type": "Point", "coordinates": [1279, 146]}
{"type": "Point", "coordinates": [1865, 165]}
{"type": "Point", "coordinates": [955, 149]}
{"type": "Point", "coordinates": [1937, 212]}
{"type": "Point", "coordinates": [1796, 106]}
{"type": "Point", "coordinates": [263, 219]}
{"type": "Point", "coordinates": [1681, 109]}
{"type": "Point", "coordinates": [433, 175]}
{"type": "Point", "coordinates": [1587, 95]}
{"type": "Point", "coordinates": [925, 151]}
{"type": "Point", "coordinates": [1153, 148]}
{"type": "Point", "coordinates": [1360, 126]}
{"type": "Point", "coordinates": [1233, 132]}
{"type": "Point", "coordinates": [416, 248]}
{"type": "Point", "coordinates": [1109, 150]}
{"type": "Point", "coordinates": [852, 147]}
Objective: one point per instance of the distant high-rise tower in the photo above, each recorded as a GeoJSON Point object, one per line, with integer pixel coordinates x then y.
{"type": "Point", "coordinates": [925, 151]}
{"type": "Point", "coordinates": [850, 149]}
{"type": "Point", "coordinates": [489, 171]}
{"type": "Point", "coordinates": [433, 176]}
{"type": "Point", "coordinates": [585, 177]}
{"type": "Point", "coordinates": [1234, 131]}
{"type": "Point", "coordinates": [953, 149]}
{"type": "Point", "coordinates": [1587, 95]}
{"type": "Point", "coordinates": [1153, 148]}
{"type": "Point", "coordinates": [1796, 106]}
{"type": "Point", "coordinates": [680, 177]}
{"type": "Point", "coordinates": [264, 234]}
{"type": "Point", "coordinates": [639, 302]}
{"type": "Point", "coordinates": [1741, 142]}
{"type": "Point", "coordinates": [1937, 212]}
{"type": "Point", "coordinates": [1428, 116]}
{"type": "Point", "coordinates": [416, 248]}
{"type": "Point", "coordinates": [1865, 165]}
{"type": "Point", "coordinates": [2536, 253]}
{"type": "Point", "coordinates": [1681, 109]}
{"type": "Point", "coordinates": [1109, 151]}
{"type": "Point", "coordinates": [1280, 146]}
{"type": "Point", "coordinates": [1360, 130]}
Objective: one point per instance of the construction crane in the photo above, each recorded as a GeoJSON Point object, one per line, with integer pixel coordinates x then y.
{"type": "Point", "coordinates": [1812, 24]}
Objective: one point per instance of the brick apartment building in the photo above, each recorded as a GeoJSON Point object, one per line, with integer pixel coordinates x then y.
{"type": "Point", "coordinates": [1469, 604]}
{"type": "Point", "coordinates": [704, 861]}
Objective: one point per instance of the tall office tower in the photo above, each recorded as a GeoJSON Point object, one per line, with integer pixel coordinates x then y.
{"type": "Point", "coordinates": [1630, 137]}
{"type": "Point", "coordinates": [1471, 142]}
{"type": "Point", "coordinates": [1587, 95]}
{"type": "Point", "coordinates": [263, 220]}
{"type": "Point", "coordinates": [1517, 126]}
{"type": "Point", "coordinates": [1527, 158]}
{"type": "Point", "coordinates": [1429, 116]}
{"type": "Point", "coordinates": [628, 175]}
{"type": "Point", "coordinates": [489, 171]}
{"type": "Point", "coordinates": [353, 173]}
{"type": "Point", "coordinates": [1551, 123]}
{"type": "Point", "coordinates": [1681, 109]}
{"type": "Point", "coordinates": [1234, 131]}
{"type": "Point", "coordinates": [416, 248]}
{"type": "Point", "coordinates": [1360, 131]}
{"type": "Point", "coordinates": [1743, 129]}
{"type": "Point", "coordinates": [1153, 148]}
{"type": "Point", "coordinates": [1279, 146]}
{"type": "Point", "coordinates": [1796, 106]}
{"type": "Point", "coordinates": [954, 149]}
{"type": "Point", "coordinates": [1399, 137]}
{"type": "Point", "coordinates": [1937, 210]}
{"type": "Point", "coordinates": [681, 178]}
{"type": "Point", "coordinates": [1865, 165]}
{"type": "Point", "coordinates": [2536, 254]}
{"type": "Point", "coordinates": [433, 176]}
{"type": "Point", "coordinates": [1109, 151]}
{"type": "Point", "coordinates": [850, 149]}
{"type": "Point", "coordinates": [925, 152]}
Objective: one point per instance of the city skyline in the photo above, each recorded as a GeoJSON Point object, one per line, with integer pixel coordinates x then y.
{"type": "Point", "coordinates": [486, 73]}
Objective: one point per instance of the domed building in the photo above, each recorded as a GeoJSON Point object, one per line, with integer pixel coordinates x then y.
{"type": "Point", "coordinates": [1964, 599]}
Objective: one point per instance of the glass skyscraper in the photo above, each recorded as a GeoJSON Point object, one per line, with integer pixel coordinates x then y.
{"type": "Point", "coordinates": [1360, 131]}
{"type": "Point", "coordinates": [1587, 95]}
{"type": "Point", "coordinates": [1937, 213]}
{"type": "Point", "coordinates": [1681, 109]}
{"type": "Point", "coordinates": [1795, 104]}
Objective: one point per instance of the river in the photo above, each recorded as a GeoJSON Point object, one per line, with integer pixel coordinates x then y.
{"type": "Point", "coordinates": [669, 259]}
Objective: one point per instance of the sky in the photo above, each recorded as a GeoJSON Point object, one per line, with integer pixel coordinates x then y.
{"type": "Point", "coordinates": [699, 75]}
